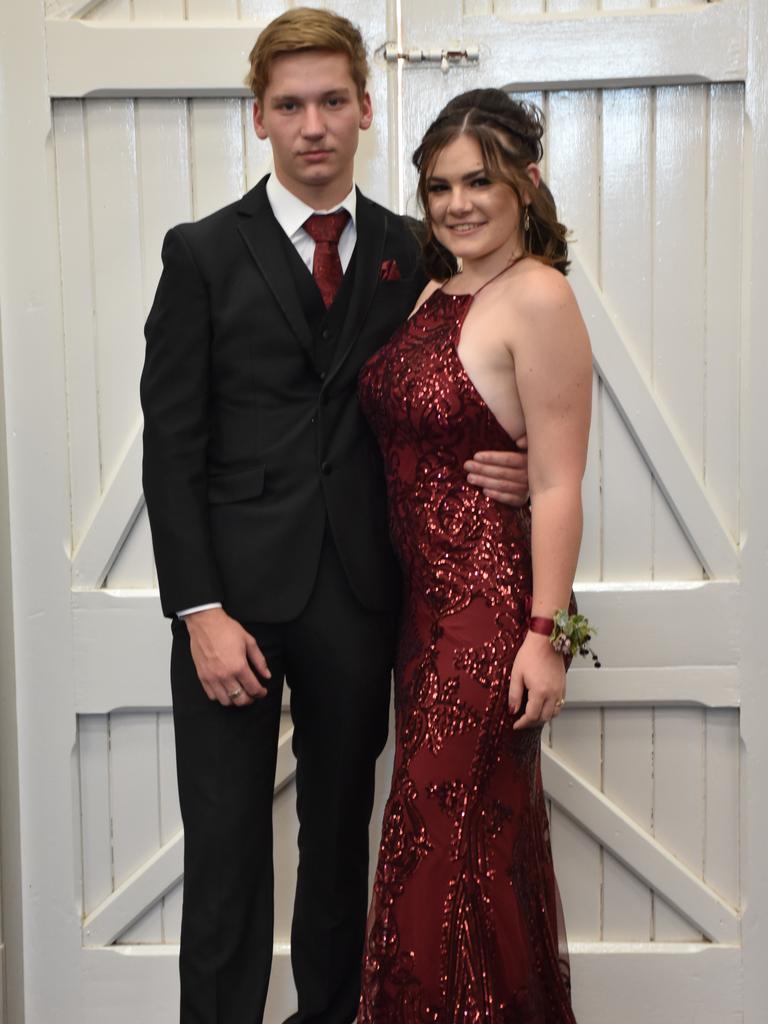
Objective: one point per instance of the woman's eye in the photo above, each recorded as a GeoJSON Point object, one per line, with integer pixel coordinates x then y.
{"type": "Point", "coordinates": [481, 182]}
{"type": "Point", "coordinates": [436, 187]}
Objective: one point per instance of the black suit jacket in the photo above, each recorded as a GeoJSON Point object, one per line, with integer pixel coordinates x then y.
{"type": "Point", "coordinates": [249, 447]}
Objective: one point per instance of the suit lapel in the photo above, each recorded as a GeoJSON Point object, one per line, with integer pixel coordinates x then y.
{"type": "Point", "coordinates": [371, 233]}
{"type": "Point", "coordinates": [263, 237]}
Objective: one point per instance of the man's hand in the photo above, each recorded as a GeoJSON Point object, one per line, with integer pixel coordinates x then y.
{"type": "Point", "coordinates": [501, 475]}
{"type": "Point", "coordinates": [225, 657]}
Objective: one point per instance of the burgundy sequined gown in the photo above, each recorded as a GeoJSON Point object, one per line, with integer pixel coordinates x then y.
{"type": "Point", "coordinates": [465, 923]}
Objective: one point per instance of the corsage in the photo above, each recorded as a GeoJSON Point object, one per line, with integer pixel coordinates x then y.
{"type": "Point", "coordinates": [568, 634]}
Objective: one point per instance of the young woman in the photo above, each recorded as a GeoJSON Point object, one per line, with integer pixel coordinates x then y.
{"type": "Point", "coordinates": [465, 924]}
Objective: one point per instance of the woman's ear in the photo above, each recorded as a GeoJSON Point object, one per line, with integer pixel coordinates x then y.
{"type": "Point", "coordinates": [534, 173]}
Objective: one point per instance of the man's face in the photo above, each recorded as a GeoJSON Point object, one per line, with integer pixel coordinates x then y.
{"type": "Point", "coordinates": [312, 114]}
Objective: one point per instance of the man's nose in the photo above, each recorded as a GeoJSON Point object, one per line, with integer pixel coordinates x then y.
{"type": "Point", "coordinates": [313, 126]}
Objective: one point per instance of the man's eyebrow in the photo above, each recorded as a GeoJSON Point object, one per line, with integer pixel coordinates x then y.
{"type": "Point", "coordinates": [342, 90]}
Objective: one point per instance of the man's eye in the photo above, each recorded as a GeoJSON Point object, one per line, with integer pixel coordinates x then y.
{"type": "Point", "coordinates": [335, 101]}
{"type": "Point", "coordinates": [287, 106]}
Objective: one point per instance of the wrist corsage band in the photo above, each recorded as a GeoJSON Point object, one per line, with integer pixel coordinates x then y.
{"type": "Point", "coordinates": [568, 634]}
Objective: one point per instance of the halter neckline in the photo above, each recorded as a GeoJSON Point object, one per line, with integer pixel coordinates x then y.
{"type": "Point", "coordinates": [460, 295]}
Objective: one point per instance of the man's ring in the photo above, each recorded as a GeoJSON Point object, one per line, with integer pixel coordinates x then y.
{"type": "Point", "coordinates": [559, 703]}
{"type": "Point", "coordinates": [235, 693]}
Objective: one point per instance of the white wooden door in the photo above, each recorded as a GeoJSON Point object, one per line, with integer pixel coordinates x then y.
{"type": "Point", "coordinates": [129, 116]}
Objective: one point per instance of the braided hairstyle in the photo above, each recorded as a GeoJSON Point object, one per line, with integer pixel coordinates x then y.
{"type": "Point", "coordinates": [508, 133]}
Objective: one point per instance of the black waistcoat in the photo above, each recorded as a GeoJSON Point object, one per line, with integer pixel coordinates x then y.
{"type": "Point", "coordinates": [325, 324]}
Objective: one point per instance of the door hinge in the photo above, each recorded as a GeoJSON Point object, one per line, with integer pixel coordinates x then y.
{"type": "Point", "coordinates": [451, 56]}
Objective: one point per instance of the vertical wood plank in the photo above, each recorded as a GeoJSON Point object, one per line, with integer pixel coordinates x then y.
{"type": "Point", "coordinates": [627, 502]}
{"type": "Point", "coordinates": [170, 819]}
{"type": "Point", "coordinates": [625, 5]}
{"type": "Point", "coordinates": [513, 8]}
{"type": "Point", "coordinates": [568, 6]}
{"type": "Point", "coordinates": [578, 869]}
{"type": "Point", "coordinates": [218, 170]}
{"type": "Point", "coordinates": [134, 565]}
{"type": "Point", "coordinates": [679, 295]}
{"type": "Point", "coordinates": [93, 744]}
{"type": "Point", "coordinates": [158, 10]}
{"type": "Point", "coordinates": [135, 807]}
{"type": "Point", "coordinates": [679, 779]}
{"type": "Point", "coordinates": [626, 272]}
{"type": "Point", "coordinates": [626, 227]}
{"type": "Point", "coordinates": [576, 737]}
{"type": "Point", "coordinates": [75, 241]}
{"type": "Point", "coordinates": [212, 10]}
{"type": "Point", "coordinates": [721, 846]}
{"type": "Point", "coordinates": [475, 7]}
{"type": "Point", "coordinates": [724, 297]}
{"type": "Point", "coordinates": [673, 556]}
{"type": "Point", "coordinates": [261, 11]}
{"type": "Point", "coordinates": [162, 130]}
{"type": "Point", "coordinates": [116, 271]}
{"type": "Point", "coordinates": [628, 781]}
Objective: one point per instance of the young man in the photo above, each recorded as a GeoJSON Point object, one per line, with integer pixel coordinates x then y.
{"type": "Point", "coordinates": [266, 499]}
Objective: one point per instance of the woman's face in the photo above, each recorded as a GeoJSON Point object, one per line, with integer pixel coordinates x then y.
{"type": "Point", "coordinates": [471, 216]}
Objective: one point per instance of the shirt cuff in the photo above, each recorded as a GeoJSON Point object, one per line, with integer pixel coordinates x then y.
{"type": "Point", "coordinates": [197, 608]}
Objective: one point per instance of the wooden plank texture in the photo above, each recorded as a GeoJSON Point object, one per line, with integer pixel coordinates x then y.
{"type": "Point", "coordinates": [647, 857]}
{"type": "Point", "coordinates": [594, 49]}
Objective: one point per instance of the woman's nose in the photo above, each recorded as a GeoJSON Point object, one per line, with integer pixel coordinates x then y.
{"type": "Point", "coordinates": [459, 201]}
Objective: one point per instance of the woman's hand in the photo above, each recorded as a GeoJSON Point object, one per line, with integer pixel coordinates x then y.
{"type": "Point", "coordinates": [540, 670]}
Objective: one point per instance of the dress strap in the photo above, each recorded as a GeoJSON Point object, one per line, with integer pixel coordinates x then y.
{"type": "Point", "coordinates": [490, 280]}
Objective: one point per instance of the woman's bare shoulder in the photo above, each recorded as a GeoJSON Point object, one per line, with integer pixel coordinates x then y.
{"type": "Point", "coordinates": [542, 289]}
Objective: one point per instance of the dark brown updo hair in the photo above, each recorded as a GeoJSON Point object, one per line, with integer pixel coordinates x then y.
{"type": "Point", "coordinates": [508, 133]}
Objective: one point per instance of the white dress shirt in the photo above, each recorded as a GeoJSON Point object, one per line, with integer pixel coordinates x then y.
{"type": "Point", "coordinates": [291, 213]}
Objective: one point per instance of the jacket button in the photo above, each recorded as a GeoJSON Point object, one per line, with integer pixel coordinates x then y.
{"type": "Point", "coordinates": [325, 334]}
{"type": "Point", "coordinates": [325, 468]}
{"type": "Point", "coordinates": [321, 374]}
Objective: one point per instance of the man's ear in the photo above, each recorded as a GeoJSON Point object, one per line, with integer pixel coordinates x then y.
{"type": "Point", "coordinates": [366, 111]}
{"type": "Point", "coordinates": [258, 122]}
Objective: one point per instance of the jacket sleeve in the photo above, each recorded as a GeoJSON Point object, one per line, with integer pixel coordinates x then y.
{"type": "Point", "coordinates": [174, 396]}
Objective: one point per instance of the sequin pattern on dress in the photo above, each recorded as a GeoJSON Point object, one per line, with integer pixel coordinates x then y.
{"type": "Point", "coordinates": [465, 923]}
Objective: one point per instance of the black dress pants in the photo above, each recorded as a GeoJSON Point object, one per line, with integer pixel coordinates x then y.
{"type": "Point", "coordinates": [336, 657]}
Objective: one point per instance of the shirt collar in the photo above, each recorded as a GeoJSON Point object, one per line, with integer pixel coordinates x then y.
{"type": "Point", "coordinates": [291, 212]}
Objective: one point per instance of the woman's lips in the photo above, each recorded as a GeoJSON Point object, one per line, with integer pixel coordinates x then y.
{"type": "Point", "coordinates": [465, 228]}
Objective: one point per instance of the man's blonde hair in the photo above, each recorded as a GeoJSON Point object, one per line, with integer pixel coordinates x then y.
{"type": "Point", "coordinates": [306, 28]}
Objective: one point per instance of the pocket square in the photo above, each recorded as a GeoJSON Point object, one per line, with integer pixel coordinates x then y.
{"type": "Point", "coordinates": [389, 270]}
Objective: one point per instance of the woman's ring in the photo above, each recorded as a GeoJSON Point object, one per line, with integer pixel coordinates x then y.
{"type": "Point", "coordinates": [559, 703]}
{"type": "Point", "coordinates": [235, 693]}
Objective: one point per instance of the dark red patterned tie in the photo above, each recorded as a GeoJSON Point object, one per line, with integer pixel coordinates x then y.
{"type": "Point", "coordinates": [326, 229]}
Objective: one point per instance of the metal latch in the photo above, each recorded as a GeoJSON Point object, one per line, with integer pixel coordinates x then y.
{"type": "Point", "coordinates": [452, 56]}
